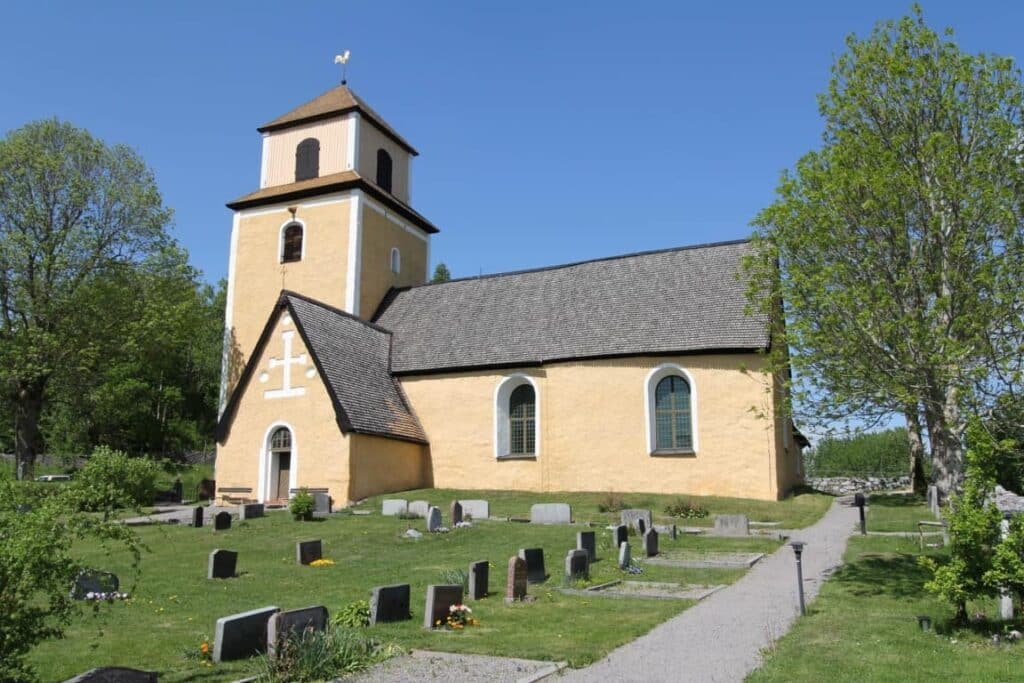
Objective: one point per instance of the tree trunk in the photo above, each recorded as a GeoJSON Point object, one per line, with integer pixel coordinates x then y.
{"type": "Point", "coordinates": [28, 406]}
{"type": "Point", "coordinates": [917, 480]}
{"type": "Point", "coordinates": [944, 432]}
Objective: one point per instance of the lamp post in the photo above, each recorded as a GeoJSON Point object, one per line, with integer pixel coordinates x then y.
{"type": "Point", "coordinates": [860, 502]}
{"type": "Point", "coordinates": [798, 549]}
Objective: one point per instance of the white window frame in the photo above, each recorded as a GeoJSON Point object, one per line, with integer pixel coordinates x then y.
{"type": "Point", "coordinates": [267, 462]}
{"type": "Point", "coordinates": [650, 385]}
{"type": "Point", "coordinates": [396, 261]}
{"type": "Point", "coordinates": [280, 240]}
{"type": "Point", "coordinates": [502, 440]}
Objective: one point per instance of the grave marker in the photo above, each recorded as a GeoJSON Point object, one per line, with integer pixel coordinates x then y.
{"type": "Point", "coordinates": [587, 540]}
{"type": "Point", "coordinates": [515, 587]}
{"type": "Point", "coordinates": [389, 603]}
{"type": "Point", "coordinates": [550, 513]}
{"type": "Point", "coordinates": [476, 509]}
{"type": "Point", "coordinates": [651, 543]}
{"type": "Point", "coordinates": [321, 503]}
{"type": "Point", "coordinates": [197, 517]}
{"type": "Point", "coordinates": [284, 623]}
{"type": "Point", "coordinates": [624, 556]}
{"type": "Point", "coordinates": [222, 521]}
{"type": "Point", "coordinates": [391, 507]}
{"type": "Point", "coordinates": [419, 508]}
{"type": "Point", "coordinates": [250, 511]}
{"type": "Point", "coordinates": [732, 525]}
{"type": "Point", "coordinates": [534, 559]}
{"type": "Point", "coordinates": [620, 535]}
{"type": "Point", "coordinates": [308, 551]}
{"type": "Point", "coordinates": [633, 517]}
{"type": "Point", "coordinates": [240, 636]}
{"type": "Point", "coordinates": [433, 519]}
{"type": "Point", "coordinates": [479, 575]}
{"type": "Point", "coordinates": [455, 513]}
{"type": "Point", "coordinates": [439, 599]}
{"type": "Point", "coordinates": [222, 564]}
{"type": "Point", "coordinates": [92, 581]}
{"type": "Point", "coordinates": [577, 564]}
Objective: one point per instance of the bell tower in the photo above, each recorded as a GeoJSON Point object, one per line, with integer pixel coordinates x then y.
{"type": "Point", "coordinates": [332, 219]}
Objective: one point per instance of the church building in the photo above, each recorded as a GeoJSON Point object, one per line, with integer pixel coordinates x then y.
{"type": "Point", "coordinates": [346, 372]}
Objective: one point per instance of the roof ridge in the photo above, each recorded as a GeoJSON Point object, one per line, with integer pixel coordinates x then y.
{"type": "Point", "coordinates": [343, 313]}
{"type": "Point", "coordinates": [525, 271]}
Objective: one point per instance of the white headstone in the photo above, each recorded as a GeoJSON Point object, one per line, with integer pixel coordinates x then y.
{"type": "Point", "coordinates": [477, 509]}
{"type": "Point", "coordinates": [394, 506]}
{"type": "Point", "coordinates": [550, 513]}
{"type": "Point", "coordinates": [624, 556]}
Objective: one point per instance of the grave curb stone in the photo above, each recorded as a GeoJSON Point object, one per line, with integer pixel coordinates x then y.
{"type": "Point", "coordinates": [252, 626]}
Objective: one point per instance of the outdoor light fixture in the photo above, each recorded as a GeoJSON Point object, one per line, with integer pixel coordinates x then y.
{"type": "Point", "coordinates": [798, 550]}
{"type": "Point", "coordinates": [860, 502]}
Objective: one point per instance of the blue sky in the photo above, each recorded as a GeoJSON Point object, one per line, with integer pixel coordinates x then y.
{"type": "Point", "coordinates": [548, 132]}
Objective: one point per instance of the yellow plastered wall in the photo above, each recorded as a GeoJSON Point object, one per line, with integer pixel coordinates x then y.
{"type": "Point", "coordinates": [281, 145]}
{"type": "Point", "coordinates": [380, 234]}
{"type": "Point", "coordinates": [370, 140]}
{"type": "Point", "coordinates": [259, 275]}
{"type": "Point", "coordinates": [381, 465]}
{"type": "Point", "coordinates": [320, 453]}
{"type": "Point", "coordinates": [593, 429]}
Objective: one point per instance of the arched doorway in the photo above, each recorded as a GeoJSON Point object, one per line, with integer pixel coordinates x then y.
{"type": "Point", "coordinates": [280, 463]}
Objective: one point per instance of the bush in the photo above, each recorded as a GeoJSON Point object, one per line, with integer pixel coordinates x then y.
{"type": "Point", "coordinates": [302, 505]}
{"type": "Point", "coordinates": [111, 479]}
{"type": "Point", "coordinates": [323, 655]}
{"type": "Point", "coordinates": [687, 509]}
{"type": "Point", "coordinates": [875, 454]}
{"type": "Point", "coordinates": [353, 615]}
{"type": "Point", "coordinates": [612, 502]}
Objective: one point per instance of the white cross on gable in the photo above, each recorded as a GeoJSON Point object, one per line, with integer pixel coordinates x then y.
{"type": "Point", "coordinates": [286, 362]}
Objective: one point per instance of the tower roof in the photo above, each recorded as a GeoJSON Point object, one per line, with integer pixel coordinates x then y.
{"type": "Point", "coordinates": [335, 102]}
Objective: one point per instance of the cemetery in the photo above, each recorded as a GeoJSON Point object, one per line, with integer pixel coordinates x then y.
{"type": "Point", "coordinates": [250, 574]}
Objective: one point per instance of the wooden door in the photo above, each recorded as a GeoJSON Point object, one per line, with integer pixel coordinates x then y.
{"type": "Point", "coordinates": [284, 464]}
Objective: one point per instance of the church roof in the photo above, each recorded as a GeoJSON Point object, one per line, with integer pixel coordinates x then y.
{"type": "Point", "coordinates": [344, 180]}
{"type": "Point", "coordinates": [353, 358]}
{"type": "Point", "coordinates": [686, 300]}
{"type": "Point", "coordinates": [333, 103]}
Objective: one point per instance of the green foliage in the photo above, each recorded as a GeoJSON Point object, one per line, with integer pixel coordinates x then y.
{"type": "Point", "coordinates": [441, 273]}
{"type": "Point", "coordinates": [112, 479]}
{"type": "Point", "coordinates": [612, 502]}
{"type": "Point", "coordinates": [687, 509]}
{"type": "Point", "coordinates": [456, 577]}
{"type": "Point", "coordinates": [885, 453]}
{"type": "Point", "coordinates": [302, 505]}
{"type": "Point", "coordinates": [1006, 423]}
{"type": "Point", "coordinates": [323, 655]}
{"type": "Point", "coordinates": [37, 569]}
{"type": "Point", "coordinates": [353, 615]}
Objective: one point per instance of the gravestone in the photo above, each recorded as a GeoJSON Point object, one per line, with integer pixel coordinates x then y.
{"type": "Point", "coordinates": [455, 513]}
{"type": "Point", "coordinates": [534, 559]}
{"type": "Point", "coordinates": [91, 581]}
{"type": "Point", "coordinates": [308, 551]}
{"type": "Point", "coordinates": [250, 511]}
{"type": "Point", "coordinates": [550, 513]}
{"type": "Point", "coordinates": [479, 575]}
{"type": "Point", "coordinates": [240, 636]}
{"type": "Point", "coordinates": [475, 509]}
{"type": "Point", "coordinates": [577, 564]}
{"type": "Point", "coordinates": [391, 507]}
{"type": "Point", "coordinates": [286, 622]}
{"type": "Point", "coordinates": [620, 535]}
{"type": "Point", "coordinates": [433, 519]}
{"type": "Point", "coordinates": [587, 540]}
{"type": "Point", "coordinates": [732, 525]}
{"type": "Point", "coordinates": [389, 603]}
{"type": "Point", "coordinates": [222, 521]}
{"type": "Point", "coordinates": [419, 508]}
{"type": "Point", "coordinates": [624, 556]}
{"type": "Point", "coordinates": [439, 599]}
{"type": "Point", "coordinates": [632, 518]}
{"type": "Point", "coordinates": [651, 543]}
{"type": "Point", "coordinates": [321, 503]}
{"type": "Point", "coordinates": [515, 587]}
{"type": "Point", "coordinates": [222, 564]}
{"type": "Point", "coordinates": [197, 517]}
{"type": "Point", "coordinates": [114, 674]}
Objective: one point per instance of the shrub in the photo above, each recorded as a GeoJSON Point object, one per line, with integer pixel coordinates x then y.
{"type": "Point", "coordinates": [323, 655]}
{"type": "Point", "coordinates": [687, 509]}
{"type": "Point", "coordinates": [353, 615]}
{"type": "Point", "coordinates": [302, 505]}
{"type": "Point", "coordinates": [112, 479]}
{"type": "Point", "coordinates": [612, 502]}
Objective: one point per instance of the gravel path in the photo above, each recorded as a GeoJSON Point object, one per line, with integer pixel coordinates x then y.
{"type": "Point", "coordinates": [720, 639]}
{"type": "Point", "coordinates": [424, 666]}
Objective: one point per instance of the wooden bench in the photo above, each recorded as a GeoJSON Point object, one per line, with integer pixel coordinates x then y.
{"type": "Point", "coordinates": [942, 526]}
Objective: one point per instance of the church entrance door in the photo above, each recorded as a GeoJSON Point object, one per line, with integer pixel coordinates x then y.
{"type": "Point", "coordinates": [284, 465]}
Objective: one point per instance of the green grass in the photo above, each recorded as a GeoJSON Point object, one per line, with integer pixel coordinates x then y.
{"type": "Point", "coordinates": [897, 512]}
{"type": "Point", "coordinates": [174, 607]}
{"type": "Point", "coordinates": [794, 512]}
{"type": "Point", "coordinates": [863, 627]}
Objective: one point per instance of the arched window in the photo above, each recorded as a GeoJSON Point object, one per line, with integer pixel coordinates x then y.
{"type": "Point", "coordinates": [307, 159]}
{"type": "Point", "coordinates": [522, 426]}
{"type": "Point", "coordinates": [281, 440]}
{"type": "Point", "coordinates": [384, 170]}
{"type": "Point", "coordinates": [671, 402]}
{"type": "Point", "coordinates": [517, 416]}
{"type": "Point", "coordinates": [672, 414]}
{"type": "Point", "coordinates": [291, 243]}
{"type": "Point", "coordinates": [396, 260]}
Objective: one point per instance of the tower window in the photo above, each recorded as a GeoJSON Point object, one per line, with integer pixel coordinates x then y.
{"type": "Point", "coordinates": [307, 159]}
{"type": "Point", "coordinates": [384, 170]}
{"type": "Point", "coordinates": [291, 243]}
{"type": "Point", "coordinates": [396, 260]}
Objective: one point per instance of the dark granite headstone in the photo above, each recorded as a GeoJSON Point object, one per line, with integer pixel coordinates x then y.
{"type": "Point", "coordinates": [197, 517]}
{"type": "Point", "coordinates": [534, 558]}
{"type": "Point", "coordinates": [286, 622]}
{"type": "Point", "coordinates": [651, 543]}
{"type": "Point", "coordinates": [250, 511]}
{"type": "Point", "coordinates": [308, 551]}
{"type": "Point", "coordinates": [479, 575]}
{"type": "Point", "coordinates": [222, 564]}
{"type": "Point", "coordinates": [620, 535]}
{"type": "Point", "coordinates": [90, 581]}
{"type": "Point", "coordinates": [587, 540]}
{"type": "Point", "coordinates": [240, 636]}
{"type": "Point", "coordinates": [577, 564]}
{"type": "Point", "coordinates": [390, 603]}
{"type": "Point", "coordinates": [222, 521]}
{"type": "Point", "coordinates": [455, 513]}
{"type": "Point", "coordinates": [439, 599]}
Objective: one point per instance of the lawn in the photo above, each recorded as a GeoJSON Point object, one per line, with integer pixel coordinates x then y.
{"type": "Point", "coordinates": [863, 627]}
{"type": "Point", "coordinates": [174, 607]}
{"type": "Point", "coordinates": [897, 512]}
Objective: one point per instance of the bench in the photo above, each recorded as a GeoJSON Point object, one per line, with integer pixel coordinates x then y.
{"type": "Point", "coordinates": [941, 526]}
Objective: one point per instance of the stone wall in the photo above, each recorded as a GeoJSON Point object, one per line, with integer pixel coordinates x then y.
{"type": "Point", "coordinates": [841, 486]}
